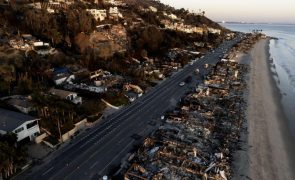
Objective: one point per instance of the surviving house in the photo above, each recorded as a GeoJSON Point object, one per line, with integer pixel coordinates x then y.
{"type": "Point", "coordinates": [62, 75]}
{"type": "Point", "coordinates": [173, 16]}
{"type": "Point", "coordinates": [110, 1]}
{"type": "Point", "coordinates": [214, 31]}
{"type": "Point", "coordinates": [68, 95]}
{"type": "Point", "coordinates": [27, 37]}
{"type": "Point", "coordinates": [114, 13]}
{"type": "Point", "coordinates": [115, 2]}
{"type": "Point", "coordinates": [153, 9]}
{"type": "Point", "coordinates": [43, 48]}
{"type": "Point", "coordinates": [98, 14]}
{"type": "Point", "coordinates": [24, 126]}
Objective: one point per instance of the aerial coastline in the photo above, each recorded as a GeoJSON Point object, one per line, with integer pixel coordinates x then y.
{"type": "Point", "coordinates": [141, 90]}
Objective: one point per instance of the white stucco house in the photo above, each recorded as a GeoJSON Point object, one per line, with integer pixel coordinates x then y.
{"type": "Point", "coordinates": [98, 14]}
{"type": "Point", "coordinates": [114, 13]}
{"type": "Point", "coordinates": [153, 9]}
{"type": "Point", "coordinates": [24, 126]}
{"type": "Point", "coordinates": [63, 78]}
{"type": "Point", "coordinates": [43, 48]}
{"type": "Point", "coordinates": [214, 31]}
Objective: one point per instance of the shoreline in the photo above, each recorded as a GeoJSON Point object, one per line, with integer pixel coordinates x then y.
{"type": "Point", "coordinates": [286, 135]}
{"type": "Point", "coordinates": [267, 146]}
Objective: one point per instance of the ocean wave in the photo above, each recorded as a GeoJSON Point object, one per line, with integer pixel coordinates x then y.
{"type": "Point", "coordinates": [291, 49]}
{"type": "Point", "coordinates": [292, 81]}
{"type": "Point", "coordinates": [289, 71]}
{"type": "Point", "coordinates": [290, 74]}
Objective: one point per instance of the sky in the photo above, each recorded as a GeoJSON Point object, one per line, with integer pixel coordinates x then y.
{"type": "Point", "coordinates": [254, 11]}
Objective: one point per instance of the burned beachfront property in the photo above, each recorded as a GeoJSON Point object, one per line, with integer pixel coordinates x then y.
{"type": "Point", "coordinates": [197, 139]}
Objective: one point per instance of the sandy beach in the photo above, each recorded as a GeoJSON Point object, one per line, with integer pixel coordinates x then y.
{"type": "Point", "coordinates": [266, 146]}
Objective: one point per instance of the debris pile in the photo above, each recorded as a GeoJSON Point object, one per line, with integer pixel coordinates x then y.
{"type": "Point", "coordinates": [245, 45]}
{"type": "Point", "coordinates": [197, 139]}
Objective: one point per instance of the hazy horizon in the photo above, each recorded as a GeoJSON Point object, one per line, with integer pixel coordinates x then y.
{"type": "Point", "coordinates": [251, 11]}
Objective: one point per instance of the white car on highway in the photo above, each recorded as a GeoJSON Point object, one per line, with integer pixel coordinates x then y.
{"type": "Point", "coordinates": [181, 84]}
{"type": "Point", "coordinates": [197, 71]}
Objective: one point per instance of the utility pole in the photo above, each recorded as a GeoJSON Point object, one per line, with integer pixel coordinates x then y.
{"type": "Point", "coordinates": [58, 124]}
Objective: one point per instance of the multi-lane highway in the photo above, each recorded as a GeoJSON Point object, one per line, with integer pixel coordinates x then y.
{"type": "Point", "coordinates": [93, 153]}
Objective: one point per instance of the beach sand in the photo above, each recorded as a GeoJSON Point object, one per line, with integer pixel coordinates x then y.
{"type": "Point", "coordinates": [267, 146]}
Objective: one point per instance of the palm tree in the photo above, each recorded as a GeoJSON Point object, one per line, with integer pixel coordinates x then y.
{"type": "Point", "coordinates": [203, 13]}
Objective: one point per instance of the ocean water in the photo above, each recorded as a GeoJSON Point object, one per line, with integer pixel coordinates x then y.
{"type": "Point", "coordinates": [282, 60]}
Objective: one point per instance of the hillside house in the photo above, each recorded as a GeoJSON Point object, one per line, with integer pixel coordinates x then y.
{"type": "Point", "coordinates": [114, 13]}
{"type": "Point", "coordinates": [63, 78]}
{"type": "Point", "coordinates": [198, 30]}
{"type": "Point", "coordinates": [153, 9]}
{"type": "Point", "coordinates": [110, 1]}
{"type": "Point", "coordinates": [24, 126]}
{"type": "Point", "coordinates": [98, 14]}
{"type": "Point", "coordinates": [68, 95]}
{"type": "Point", "coordinates": [28, 37]}
{"type": "Point", "coordinates": [173, 16]}
{"type": "Point", "coordinates": [115, 2]}
{"type": "Point", "coordinates": [62, 75]}
{"type": "Point", "coordinates": [214, 31]}
{"type": "Point", "coordinates": [43, 48]}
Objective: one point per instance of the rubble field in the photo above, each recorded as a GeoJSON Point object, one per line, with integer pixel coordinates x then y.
{"type": "Point", "coordinates": [198, 138]}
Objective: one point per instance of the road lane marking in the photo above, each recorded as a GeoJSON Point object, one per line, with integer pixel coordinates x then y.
{"type": "Point", "coordinates": [47, 171]}
{"type": "Point", "coordinates": [85, 144]}
{"type": "Point", "coordinates": [91, 156]}
{"type": "Point", "coordinates": [94, 165]}
{"type": "Point", "coordinates": [85, 161]}
{"type": "Point", "coordinates": [100, 172]}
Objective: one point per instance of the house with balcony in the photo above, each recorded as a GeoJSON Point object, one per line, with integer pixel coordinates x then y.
{"type": "Point", "coordinates": [24, 126]}
{"type": "Point", "coordinates": [68, 95]}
